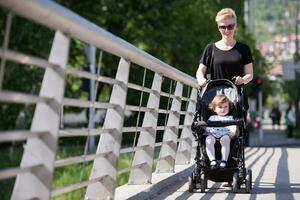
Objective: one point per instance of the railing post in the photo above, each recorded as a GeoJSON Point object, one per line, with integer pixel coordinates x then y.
{"type": "Point", "coordinates": [105, 167]}
{"type": "Point", "coordinates": [41, 151]}
{"type": "Point", "coordinates": [167, 154]}
{"type": "Point", "coordinates": [185, 144]}
{"type": "Point", "coordinates": [141, 170]}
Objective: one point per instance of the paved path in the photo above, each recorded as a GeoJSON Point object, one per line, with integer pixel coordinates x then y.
{"type": "Point", "coordinates": [274, 161]}
{"type": "Point", "coordinates": [275, 176]}
{"type": "Point", "coordinates": [272, 137]}
{"type": "Point", "coordinates": [275, 164]}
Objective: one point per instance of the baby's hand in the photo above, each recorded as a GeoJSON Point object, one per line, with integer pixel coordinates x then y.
{"type": "Point", "coordinates": [231, 135]}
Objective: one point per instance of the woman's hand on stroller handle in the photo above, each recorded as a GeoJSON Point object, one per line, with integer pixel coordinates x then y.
{"type": "Point", "coordinates": [238, 80]}
{"type": "Point", "coordinates": [203, 82]}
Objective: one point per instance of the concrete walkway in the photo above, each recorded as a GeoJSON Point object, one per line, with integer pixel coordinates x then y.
{"type": "Point", "coordinates": [273, 161]}
{"type": "Point", "coordinates": [275, 176]}
{"type": "Point", "coordinates": [272, 137]}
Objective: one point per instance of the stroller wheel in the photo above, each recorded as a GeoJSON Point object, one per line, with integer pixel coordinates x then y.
{"type": "Point", "coordinates": [248, 181]}
{"type": "Point", "coordinates": [235, 182]}
{"type": "Point", "coordinates": [191, 184]}
{"type": "Point", "coordinates": [203, 183]}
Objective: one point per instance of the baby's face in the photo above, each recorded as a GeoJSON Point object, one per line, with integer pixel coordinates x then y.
{"type": "Point", "coordinates": [222, 109]}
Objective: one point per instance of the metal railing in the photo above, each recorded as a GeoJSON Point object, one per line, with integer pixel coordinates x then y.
{"type": "Point", "coordinates": [34, 176]}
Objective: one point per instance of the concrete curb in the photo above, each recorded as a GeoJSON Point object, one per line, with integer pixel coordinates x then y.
{"type": "Point", "coordinates": [160, 182]}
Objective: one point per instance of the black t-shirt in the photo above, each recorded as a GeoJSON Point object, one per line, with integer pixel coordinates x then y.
{"type": "Point", "coordinates": [226, 64]}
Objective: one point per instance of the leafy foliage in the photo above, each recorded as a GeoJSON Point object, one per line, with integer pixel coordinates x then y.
{"type": "Point", "coordinates": [176, 32]}
{"type": "Point", "coordinates": [274, 17]}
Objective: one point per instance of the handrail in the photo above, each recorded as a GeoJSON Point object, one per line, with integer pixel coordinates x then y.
{"type": "Point", "coordinates": [46, 126]}
{"type": "Point", "coordinates": [56, 17]}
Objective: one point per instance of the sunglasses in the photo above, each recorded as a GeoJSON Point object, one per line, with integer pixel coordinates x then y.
{"type": "Point", "coordinates": [228, 27]}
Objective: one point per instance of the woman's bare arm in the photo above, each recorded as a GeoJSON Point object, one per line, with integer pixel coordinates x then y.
{"type": "Point", "coordinates": [200, 75]}
{"type": "Point", "coordinates": [248, 70]}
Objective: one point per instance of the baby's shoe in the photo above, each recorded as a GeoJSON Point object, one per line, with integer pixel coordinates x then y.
{"type": "Point", "coordinates": [223, 164]}
{"type": "Point", "coordinates": [213, 164]}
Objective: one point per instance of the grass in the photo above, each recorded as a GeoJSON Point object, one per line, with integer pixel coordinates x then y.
{"type": "Point", "coordinates": [63, 176]}
{"type": "Point", "coordinates": [10, 156]}
{"type": "Point", "coordinates": [72, 174]}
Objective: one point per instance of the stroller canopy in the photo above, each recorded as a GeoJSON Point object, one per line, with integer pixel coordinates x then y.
{"type": "Point", "coordinates": [218, 87]}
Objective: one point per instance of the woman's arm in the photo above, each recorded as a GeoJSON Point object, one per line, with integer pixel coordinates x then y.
{"type": "Point", "coordinates": [248, 70]}
{"type": "Point", "coordinates": [200, 75]}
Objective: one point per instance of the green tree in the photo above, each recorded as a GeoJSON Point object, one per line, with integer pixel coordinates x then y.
{"type": "Point", "coordinates": [174, 31]}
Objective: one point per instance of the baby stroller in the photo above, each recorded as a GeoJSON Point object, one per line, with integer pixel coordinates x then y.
{"type": "Point", "coordinates": [235, 171]}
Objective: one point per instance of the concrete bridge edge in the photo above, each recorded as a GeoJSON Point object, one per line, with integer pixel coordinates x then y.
{"type": "Point", "coordinates": [160, 182]}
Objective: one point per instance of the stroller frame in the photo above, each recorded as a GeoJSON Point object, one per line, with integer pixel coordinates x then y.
{"type": "Point", "coordinates": [236, 170]}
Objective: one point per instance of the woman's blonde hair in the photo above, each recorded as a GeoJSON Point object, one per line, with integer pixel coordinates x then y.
{"type": "Point", "coordinates": [226, 13]}
{"type": "Point", "coordinates": [219, 99]}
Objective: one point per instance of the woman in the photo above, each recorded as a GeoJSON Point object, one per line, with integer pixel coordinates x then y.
{"type": "Point", "coordinates": [226, 58]}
